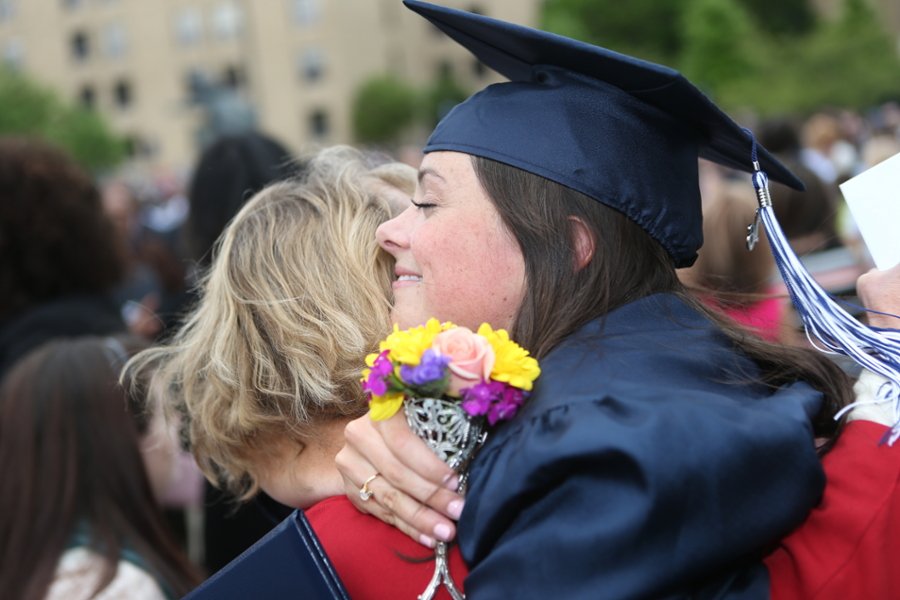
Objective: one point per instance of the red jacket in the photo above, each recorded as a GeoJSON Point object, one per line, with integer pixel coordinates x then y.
{"type": "Point", "coordinates": [371, 557]}
{"type": "Point", "coordinates": [849, 547]}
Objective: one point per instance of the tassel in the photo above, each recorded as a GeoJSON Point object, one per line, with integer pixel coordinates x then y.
{"type": "Point", "coordinates": [829, 328]}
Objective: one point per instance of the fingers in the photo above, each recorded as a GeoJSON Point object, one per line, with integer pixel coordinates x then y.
{"type": "Point", "coordinates": [413, 481]}
{"type": "Point", "coordinates": [880, 291]}
{"type": "Point", "coordinates": [404, 460]}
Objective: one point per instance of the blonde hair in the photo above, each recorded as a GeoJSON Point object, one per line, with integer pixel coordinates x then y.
{"type": "Point", "coordinates": [297, 295]}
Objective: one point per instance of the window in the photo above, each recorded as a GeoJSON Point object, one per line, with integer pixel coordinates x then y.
{"type": "Point", "coordinates": [227, 20]}
{"type": "Point", "coordinates": [189, 26]}
{"type": "Point", "coordinates": [7, 10]}
{"type": "Point", "coordinates": [115, 40]}
{"type": "Point", "coordinates": [80, 46]}
{"type": "Point", "coordinates": [306, 12]}
{"type": "Point", "coordinates": [318, 124]}
{"type": "Point", "coordinates": [13, 53]}
{"type": "Point", "coordinates": [122, 94]}
{"type": "Point", "coordinates": [311, 65]}
{"type": "Point", "coordinates": [87, 97]}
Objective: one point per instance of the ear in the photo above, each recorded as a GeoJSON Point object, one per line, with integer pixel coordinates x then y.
{"type": "Point", "coordinates": [584, 242]}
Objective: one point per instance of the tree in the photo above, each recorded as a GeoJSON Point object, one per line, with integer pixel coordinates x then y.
{"type": "Point", "coordinates": [27, 108]}
{"type": "Point", "coordinates": [769, 55]}
{"type": "Point", "coordinates": [384, 106]}
{"type": "Point", "coordinates": [717, 43]}
{"type": "Point", "coordinates": [647, 29]}
{"type": "Point", "coordinates": [441, 98]}
{"type": "Point", "coordinates": [853, 61]}
{"type": "Point", "coordinates": [788, 17]}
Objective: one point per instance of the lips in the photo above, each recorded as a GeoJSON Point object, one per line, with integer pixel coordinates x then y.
{"type": "Point", "coordinates": [405, 278]}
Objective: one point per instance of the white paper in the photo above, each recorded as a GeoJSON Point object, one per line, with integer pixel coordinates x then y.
{"type": "Point", "coordinates": [874, 199]}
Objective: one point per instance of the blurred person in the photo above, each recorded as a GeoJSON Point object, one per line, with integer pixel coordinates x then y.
{"type": "Point", "coordinates": [267, 367]}
{"type": "Point", "coordinates": [153, 269]}
{"type": "Point", "coordinates": [808, 218]}
{"type": "Point", "coordinates": [79, 518]}
{"type": "Point", "coordinates": [60, 253]}
{"type": "Point", "coordinates": [228, 173]}
{"type": "Point", "coordinates": [727, 276]}
{"type": "Point", "coordinates": [878, 149]}
{"type": "Point", "coordinates": [825, 151]}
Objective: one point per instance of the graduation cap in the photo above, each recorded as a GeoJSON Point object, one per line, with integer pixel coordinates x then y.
{"type": "Point", "coordinates": [623, 131]}
{"type": "Point", "coordinates": [627, 133]}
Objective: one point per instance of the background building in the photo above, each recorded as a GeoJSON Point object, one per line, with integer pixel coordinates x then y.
{"type": "Point", "coordinates": [290, 66]}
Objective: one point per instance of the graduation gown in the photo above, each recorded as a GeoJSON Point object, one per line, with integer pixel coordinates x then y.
{"type": "Point", "coordinates": [646, 464]}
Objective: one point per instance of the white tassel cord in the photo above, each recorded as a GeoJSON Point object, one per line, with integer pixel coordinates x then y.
{"type": "Point", "coordinates": [828, 327]}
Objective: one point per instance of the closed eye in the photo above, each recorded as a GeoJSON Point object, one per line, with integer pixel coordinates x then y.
{"type": "Point", "coordinates": [422, 204]}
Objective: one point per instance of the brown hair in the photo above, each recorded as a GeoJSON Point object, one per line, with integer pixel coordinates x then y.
{"type": "Point", "coordinates": [297, 295]}
{"type": "Point", "coordinates": [55, 239]}
{"type": "Point", "coordinates": [627, 265]}
{"type": "Point", "coordinates": [69, 455]}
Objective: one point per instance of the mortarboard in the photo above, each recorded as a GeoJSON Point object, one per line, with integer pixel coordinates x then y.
{"type": "Point", "coordinates": [627, 133]}
{"type": "Point", "coordinates": [623, 131]}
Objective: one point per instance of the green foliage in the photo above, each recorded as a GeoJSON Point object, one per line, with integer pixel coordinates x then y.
{"type": "Point", "coordinates": [384, 106]}
{"type": "Point", "coordinates": [717, 43]}
{"type": "Point", "coordinates": [441, 97]}
{"type": "Point", "coordinates": [647, 29]}
{"type": "Point", "coordinates": [773, 56]}
{"type": "Point", "coordinates": [27, 108]}
{"type": "Point", "coordinates": [789, 17]}
{"type": "Point", "coordinates": [852, 62]}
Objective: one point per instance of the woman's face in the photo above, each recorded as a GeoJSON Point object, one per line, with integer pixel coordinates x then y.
{"type": "Point", "coordinates": [300, 475]}
{"type": "Point", "coordinates": [456, 260]}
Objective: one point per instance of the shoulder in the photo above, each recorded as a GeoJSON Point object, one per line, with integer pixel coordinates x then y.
{"type": "Point", "coordinates": [374, 560]}
{"type": "Point", "coordinates": [863, 497]}
{"type": "Point", "coordinates": [80, 570]}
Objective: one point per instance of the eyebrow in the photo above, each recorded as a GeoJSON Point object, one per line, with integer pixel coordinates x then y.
{"type": "Point", "coordinates": [429, 171]}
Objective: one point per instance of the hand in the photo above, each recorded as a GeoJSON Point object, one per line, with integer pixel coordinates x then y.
{"type": "Point", "coordinates": [415, 490]}
{"type": "Point", "coordinates": [880, 290]}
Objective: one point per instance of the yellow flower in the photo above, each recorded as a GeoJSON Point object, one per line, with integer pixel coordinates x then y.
{"type": "Point", "coordinates": [408, 346]}
{"type": "Point", "coordinates": [385, 407]}
{"type": "Point", "coordinates": [513, 365]}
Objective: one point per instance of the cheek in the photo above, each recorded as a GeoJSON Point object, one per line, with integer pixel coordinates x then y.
{"type": "Point", "coordinates": [473, 277]}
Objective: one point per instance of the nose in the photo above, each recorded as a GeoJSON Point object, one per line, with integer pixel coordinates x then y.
{"type": "Point", "coordinates": [393, 235]}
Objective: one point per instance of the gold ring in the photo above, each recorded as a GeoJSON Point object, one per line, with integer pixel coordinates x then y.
{"type": "Point", "coordinates": [364, 492]}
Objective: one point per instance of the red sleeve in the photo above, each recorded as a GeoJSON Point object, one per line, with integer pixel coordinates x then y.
{"type": "Point", "coordinates": [849, 546]}
{"type": "Point", "coordinates": [374, 560]}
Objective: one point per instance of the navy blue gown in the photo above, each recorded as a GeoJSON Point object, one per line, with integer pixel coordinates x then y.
{"type": "Point", "coordinates": [648, 463]}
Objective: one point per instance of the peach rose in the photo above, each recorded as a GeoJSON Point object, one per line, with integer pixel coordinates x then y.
{"type": "Point", "coordinates": [471, 357]}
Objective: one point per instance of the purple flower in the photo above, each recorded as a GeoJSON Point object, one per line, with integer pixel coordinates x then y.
{"type": "Point", "coordinates": [432, 367]}
{"type": "Point", "coordinates": [376, 382]}
{"type": "Point", "coordinates": [477, 400]}
{"type": "Point", "coordinates": [505, 407]}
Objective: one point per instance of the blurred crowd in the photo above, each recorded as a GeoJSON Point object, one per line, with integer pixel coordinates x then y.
{"type": "Point", "coordinates": [111, 266]}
